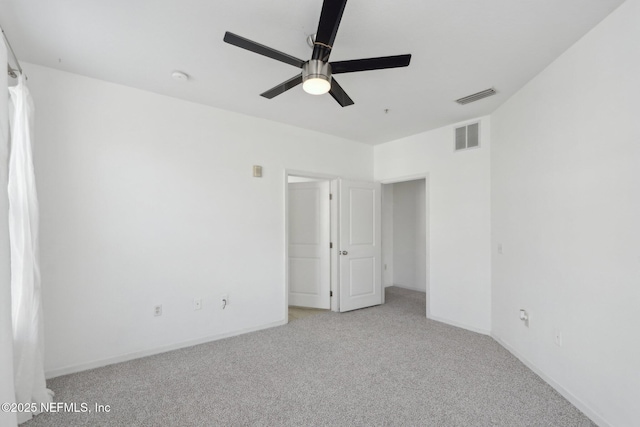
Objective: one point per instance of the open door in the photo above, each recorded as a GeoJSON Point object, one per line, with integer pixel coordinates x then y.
{"type": "Point", "coordinates": [360, 246]}
{"type": "Point", "coordinates": [309, 232]}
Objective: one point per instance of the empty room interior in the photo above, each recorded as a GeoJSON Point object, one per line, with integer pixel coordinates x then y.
{"type": "Point", "coordinates": [320, 212]}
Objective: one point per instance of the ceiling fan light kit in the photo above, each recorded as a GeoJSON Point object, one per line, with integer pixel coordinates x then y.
{"type": "Point", "coordinates": [316, 76]}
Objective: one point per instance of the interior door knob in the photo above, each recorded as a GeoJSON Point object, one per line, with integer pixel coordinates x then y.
{"type": "Point", "coordinates": [343, 252]}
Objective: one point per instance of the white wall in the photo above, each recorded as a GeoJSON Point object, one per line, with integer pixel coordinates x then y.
{"type": "Point", "coordinates": [150, 200]}
{"type": "Point", "coordinates": [409, 239]}
{"type": "Point", "coordinates": [387, 235]}
{"type": "Point", "coordinates": [566, 208]}
{"type": "Point", "coordinates": [459, 225]}
{"type": "Point", "coordinates": [7, 393]}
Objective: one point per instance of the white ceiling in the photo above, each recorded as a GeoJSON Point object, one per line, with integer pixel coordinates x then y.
{"type": "Point", "coordinates": [459, 47]}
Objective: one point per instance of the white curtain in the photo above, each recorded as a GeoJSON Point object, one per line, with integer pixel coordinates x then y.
{"type": "Point", "coordinates": [7, 391]}
{"type": "Point", "coordinates": [26, 306]}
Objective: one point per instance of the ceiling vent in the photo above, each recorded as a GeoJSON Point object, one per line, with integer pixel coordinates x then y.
{"type": "Point", "coordinates": [476, 96]}
{"type": "Point", "coordinates": [467, 136]}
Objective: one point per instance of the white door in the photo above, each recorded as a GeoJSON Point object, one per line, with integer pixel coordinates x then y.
{"type": "Point", "coordinates": [360, 248]}
{"type": "Point", "coordinates": [309, 228]}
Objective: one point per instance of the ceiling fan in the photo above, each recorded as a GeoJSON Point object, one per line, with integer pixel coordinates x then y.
{"type": "Point", "coordinates": [316, 76]}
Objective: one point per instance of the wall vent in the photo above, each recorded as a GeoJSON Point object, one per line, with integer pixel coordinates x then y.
{"type": "Point", "coordinates": [476, 96]}
{"type": "Point", "coordinates": [467, 136]}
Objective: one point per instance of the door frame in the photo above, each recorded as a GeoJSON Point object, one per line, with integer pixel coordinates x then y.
{"type": "Point", "coordinates": [427, 275]}
{"type": "Point", "coordinates": [333, 235]}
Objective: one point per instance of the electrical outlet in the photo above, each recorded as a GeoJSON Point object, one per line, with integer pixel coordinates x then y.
{"type": "Point", "coordinates": [197, 304]}
{"type": "Point", "coordinates": [224, 301]}
{"type": "Point", "coordinates": [157, 310]}
{"type": "Point", "coordinates": [557, 337]}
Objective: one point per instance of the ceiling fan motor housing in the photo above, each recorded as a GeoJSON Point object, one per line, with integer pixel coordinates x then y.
{"type": "Point", "coordinates": [316, 69]}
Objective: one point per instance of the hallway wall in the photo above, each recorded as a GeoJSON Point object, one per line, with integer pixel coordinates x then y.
{"type": "Point", "coordinates": [409, 235]}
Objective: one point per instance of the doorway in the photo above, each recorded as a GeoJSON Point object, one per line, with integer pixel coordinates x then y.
{"type": "Point", "coordinates": [405, 235]}
{"type": "Point", "coordinates": [354, 245]}
{"type": "Point", "coordinates": [309, 245]}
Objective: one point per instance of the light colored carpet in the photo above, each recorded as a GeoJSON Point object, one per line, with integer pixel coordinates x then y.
{"type": "Point", "coordinates": [385, 365]}
{"type": "Point", "coordinates": [296, 313]}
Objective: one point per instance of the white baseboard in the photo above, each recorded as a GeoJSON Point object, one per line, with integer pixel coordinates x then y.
{"type": "Point", "coordinates": [460, 325]}
{"type": "Point", "coordinates": [163, 349]}
{"type": "Point", "coordinates": [575, 401]}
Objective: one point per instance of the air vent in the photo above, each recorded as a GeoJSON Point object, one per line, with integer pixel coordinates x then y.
{"type": "Point", "coordinates": [476, 96]}
{"type": "Point", "coordinates": [467, 136]}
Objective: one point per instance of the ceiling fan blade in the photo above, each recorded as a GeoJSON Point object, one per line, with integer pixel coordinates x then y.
{"type": "Point", "coordinates": [283, 87]}
{"type": "Point", "coordinates": [339, 94]}
{"type": "Point", "coordinates": [260, 49]}
{"type": "Point", "coordinates": [328, 28]}
{"type": "Point", "coordinates": [370, 64]}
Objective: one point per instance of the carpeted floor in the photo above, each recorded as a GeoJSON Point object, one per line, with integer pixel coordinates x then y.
{"type": "Point", "coordinates": [385, 365]}
{"type": "Point", "coordinates": [296, 313]}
